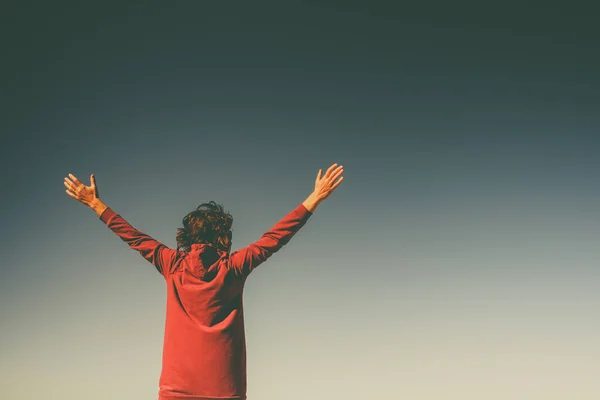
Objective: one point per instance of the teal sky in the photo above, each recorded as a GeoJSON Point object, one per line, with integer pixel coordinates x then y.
{"type": "Point", "coordinates": [458, 260]}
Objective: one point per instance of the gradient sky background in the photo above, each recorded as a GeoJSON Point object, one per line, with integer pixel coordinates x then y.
{"type": "Point", "coordinates": [458, 260]}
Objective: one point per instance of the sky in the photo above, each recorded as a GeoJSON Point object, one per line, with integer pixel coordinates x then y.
{"type": "Point", "coordinates": [457, 260]}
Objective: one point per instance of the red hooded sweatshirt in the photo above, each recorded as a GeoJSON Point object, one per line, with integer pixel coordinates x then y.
{"type": "Point", "coordinates": [204, 352]}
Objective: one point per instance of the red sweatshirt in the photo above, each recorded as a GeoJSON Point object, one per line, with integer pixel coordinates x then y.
{"type": "Point", "coordinates": [204, 352]}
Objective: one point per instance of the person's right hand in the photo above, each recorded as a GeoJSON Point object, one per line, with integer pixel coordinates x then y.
{"type": "Point", "coordinates": [88, 195]}
{"type": "Point", "coordinates": [326, 184]}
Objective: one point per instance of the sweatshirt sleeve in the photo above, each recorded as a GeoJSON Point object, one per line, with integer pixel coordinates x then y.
{"type": "Point", "coordinates": [245, 260]}
{"type": "Point", "coordinates": [162, 257]}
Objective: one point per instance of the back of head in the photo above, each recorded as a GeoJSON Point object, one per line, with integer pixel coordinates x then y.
{"type": "Point", "coordinates": [208, 224]}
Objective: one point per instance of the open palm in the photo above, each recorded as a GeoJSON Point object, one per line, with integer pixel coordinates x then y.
{"type": "Point", "coordinates": [326, 184]}
{"type": "Point", "coordinates": [77, 190]}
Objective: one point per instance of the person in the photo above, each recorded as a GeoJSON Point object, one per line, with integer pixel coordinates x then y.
{"type": "Point", "coordinates": [204, 351]}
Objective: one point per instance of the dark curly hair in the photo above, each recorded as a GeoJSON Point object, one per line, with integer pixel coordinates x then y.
{"type": "Point", "coordinates": [208, 224]}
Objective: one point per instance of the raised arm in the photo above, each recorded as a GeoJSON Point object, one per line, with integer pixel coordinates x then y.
{"type": "Point", "coordinates": [245, 260]}
{"type": "Point", "coordinates": [152, 250]}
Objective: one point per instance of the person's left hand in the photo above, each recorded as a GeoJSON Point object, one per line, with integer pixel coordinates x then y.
{"type": "Point", "coordinates": [88, 195]}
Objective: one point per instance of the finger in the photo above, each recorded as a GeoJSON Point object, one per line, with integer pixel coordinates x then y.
{"type": "Point", "coordinates": [329, 170]}
{"type": "Point", "coordinates": [337, 183]}
{"type": "Point", "coordinates": [69, 185]}
{"type": "Point", "coordinates": [74, 178]}
{"type": "Point", "coordinates": [334, 177]}
{"type": "Point", "coordinates": [71, 194]}
{"type": "Point", "coordinates": [96, 192]}
{"type": "Point", "coordinates": [319, 174]}
{"type": "Point", "coordinates": [70, 182]}
{"type": "Point", "coordinates": [338, 171]}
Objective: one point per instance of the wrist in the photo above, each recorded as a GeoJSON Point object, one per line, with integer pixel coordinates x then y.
{"type": "Point", "coordinates": [98, 206]}
{"type": "Point", "coordinates": [312, 201]}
